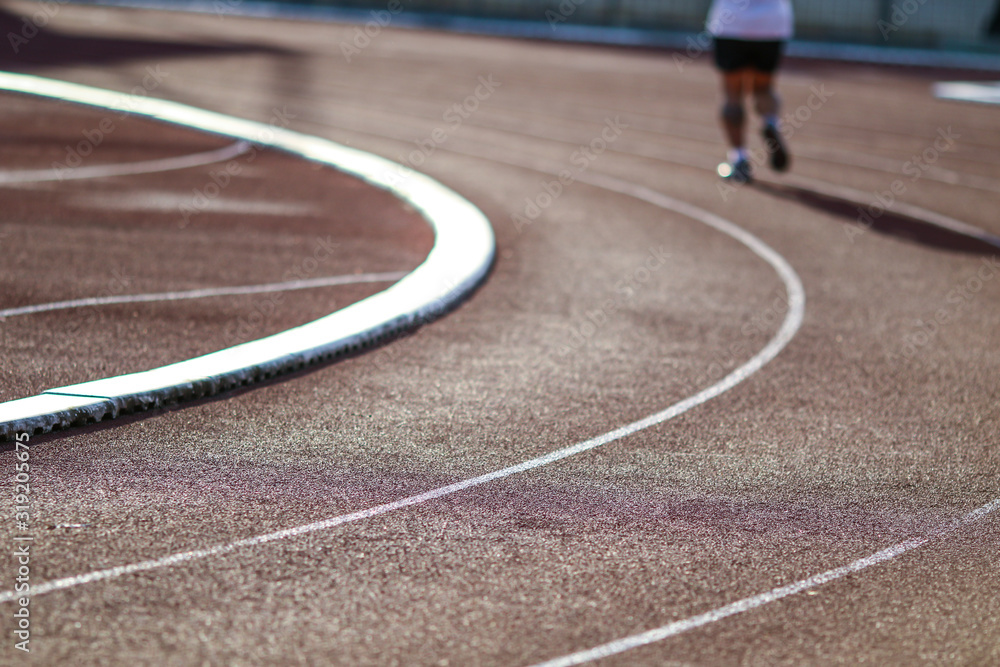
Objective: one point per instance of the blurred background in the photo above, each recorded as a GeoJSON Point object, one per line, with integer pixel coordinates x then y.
{"type": "Point", "coordinates": [940, 24]}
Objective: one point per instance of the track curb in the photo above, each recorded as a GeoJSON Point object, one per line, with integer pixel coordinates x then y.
{"type": "Point", "coordinates": [463, 252]}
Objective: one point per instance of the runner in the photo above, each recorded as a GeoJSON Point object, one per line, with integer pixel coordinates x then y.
{"type": "Point", "coordinates": [750, 37]}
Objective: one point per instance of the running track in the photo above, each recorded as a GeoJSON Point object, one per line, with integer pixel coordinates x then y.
{"type": "Point", "coordinates": [868, 439]}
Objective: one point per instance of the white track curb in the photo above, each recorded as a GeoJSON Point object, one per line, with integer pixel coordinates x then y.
{"type": "Point", "coordinates": [462, 255]}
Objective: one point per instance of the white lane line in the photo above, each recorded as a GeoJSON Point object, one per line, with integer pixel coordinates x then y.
{"type": "Point", "coordinates": [746, 604]}
{"type": "Point", "coordinates": [326, 281]}
{"type": "Point", "coordinates": [790, 325]}
{"type": "Point", "coordinates": [126, 169]}
{"type": "Point", "coordinates": [178, 202]}
{"type": "Point", "coordinates": [968, 91]}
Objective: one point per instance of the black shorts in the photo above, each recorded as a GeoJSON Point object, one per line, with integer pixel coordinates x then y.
{"type": "Point", "coordinates": [736, 54]}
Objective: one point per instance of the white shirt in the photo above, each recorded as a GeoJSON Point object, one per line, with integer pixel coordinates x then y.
{"type": "Point", "coordinates": [757, 20]}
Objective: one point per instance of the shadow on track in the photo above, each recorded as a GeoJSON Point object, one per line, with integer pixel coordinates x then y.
{"type": "Point", "coordinates": [30, 45]}
{"type": "Point", "coordinates": [280, 377]}
{"type": "Point", "coordinates": [131, 417]}
{"type": "Point", "coordinates": [889, 223]}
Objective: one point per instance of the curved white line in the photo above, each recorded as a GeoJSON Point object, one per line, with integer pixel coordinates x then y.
{"type": "Point", "coordinates": [462, 255]}
{"type": "Point", "coordinates": [746, 604]}
{"type": "Point", "coordinates": [288, 286]}
{"type": "Point", "coordinates": [127, 169]}
{"type": "Point", "coordinates": [790, 325]}
{"type": "Point", "coordinates": [753, 602]}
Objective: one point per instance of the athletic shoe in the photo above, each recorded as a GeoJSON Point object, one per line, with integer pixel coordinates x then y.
{"type": "Point", "coordinates": [776, 148]}
{"type": "Point", "coordinates": [739, 172]}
